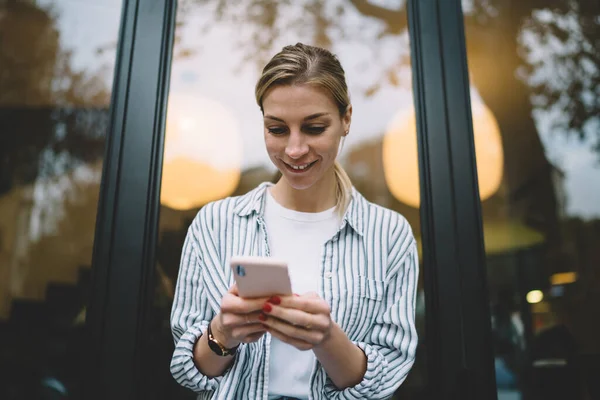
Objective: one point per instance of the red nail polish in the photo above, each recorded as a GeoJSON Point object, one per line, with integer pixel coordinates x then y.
{"type": "Point", "coordinates": [262, 317]}
{"type": "Point", "coordinates": [267, 308]}
{"type": "Point", "coordinates": [275, 300]}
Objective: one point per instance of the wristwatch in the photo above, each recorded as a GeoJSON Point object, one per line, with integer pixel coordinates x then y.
{"type": "Point", "coordinates": [217, 347]}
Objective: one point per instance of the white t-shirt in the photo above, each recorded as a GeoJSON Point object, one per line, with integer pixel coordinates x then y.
{"type": "Point", "coordinates": [298, 238]}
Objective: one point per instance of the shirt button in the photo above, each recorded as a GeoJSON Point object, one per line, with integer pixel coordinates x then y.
{"type": "Point", "coordinates": [328, 275]}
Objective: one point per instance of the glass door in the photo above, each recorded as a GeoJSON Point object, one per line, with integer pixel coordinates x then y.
{"type": "Point", "coordinates": [214, 144]}
{"type": "Point", "coordinates": [535, 74]}
{"type": "Point", "coordinates": [57, 59]}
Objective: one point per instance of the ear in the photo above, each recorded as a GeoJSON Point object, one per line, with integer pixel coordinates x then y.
{"type": "Point", "coordinates": [347, 119]}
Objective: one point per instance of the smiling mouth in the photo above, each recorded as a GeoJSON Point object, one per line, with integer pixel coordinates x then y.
{"type": "Point", "coordinates": [299, 168]}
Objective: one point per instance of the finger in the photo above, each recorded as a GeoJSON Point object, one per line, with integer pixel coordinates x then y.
{"type": "Point", "coordinates": [297, 317]}
{"type": "Point", "coordinates": [237, 305]}
{"type": "Point", "coordinates": [241, 332]}
{"type": "Point", "coordinates": [254, 337]}
{"type": "Point", "coordinates": [297, 343]}
{"type": "Point", "coordinates": [295, 332]}
{"type": "Point", "coordinates": [307, 294]}
{"type": "Point", "coordinates": [232, 320]}
{"type": "Point", "coordinates": [234, 290]}
{"type": "Point", "coordinates": [251, 318]}
{"type": "Point", "coordinates": [306, 303]}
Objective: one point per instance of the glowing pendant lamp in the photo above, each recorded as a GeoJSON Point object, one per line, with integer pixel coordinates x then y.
{"type": "Point", "coordinates": [400, 153]}
{"type": "Point", "coordinates": [203, 152]}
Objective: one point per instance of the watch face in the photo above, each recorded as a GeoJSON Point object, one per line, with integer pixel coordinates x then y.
{"type": "Point", "coordinates": [215, 347]}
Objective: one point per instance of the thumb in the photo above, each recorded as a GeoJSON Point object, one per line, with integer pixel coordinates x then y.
{"type": "Point", "coordinates": [234, 289]}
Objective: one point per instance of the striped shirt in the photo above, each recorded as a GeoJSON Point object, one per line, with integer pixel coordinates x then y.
{"type": "Point", "coordinates": [368, 277]}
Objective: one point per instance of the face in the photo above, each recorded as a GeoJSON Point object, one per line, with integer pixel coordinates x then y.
{"type": "Point", "coordinates": [303, 129]}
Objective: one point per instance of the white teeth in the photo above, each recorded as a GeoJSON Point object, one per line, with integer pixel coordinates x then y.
{"type": "Point", "coordinates": [301, 167]}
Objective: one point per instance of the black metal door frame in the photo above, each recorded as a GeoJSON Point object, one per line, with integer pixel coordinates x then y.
{"type": "Point", "coordinates": [460, 357]}
{"type": "Point", "coordinates": [458, 326]}
{"type": "Point", "coordinates": [127, 222]}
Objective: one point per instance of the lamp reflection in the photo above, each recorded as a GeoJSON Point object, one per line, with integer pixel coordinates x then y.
{"type": "Point", "coordinates": [400, 153]}
{"type": "Point", "coordinates": [535, 296]}
{"type": "Point", "coordinates": [203, 152]}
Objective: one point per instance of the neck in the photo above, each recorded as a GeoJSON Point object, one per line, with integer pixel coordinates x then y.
{"type": "Point", "coordinates": [319, 197]}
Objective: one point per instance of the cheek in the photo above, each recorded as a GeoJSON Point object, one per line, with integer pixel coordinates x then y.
{"type": "Point", "coordinates": [272, 145]}
{"type": "Point", "coordinates": [269, 142]}
{"type": "Point", "coordinates": [330, 147]}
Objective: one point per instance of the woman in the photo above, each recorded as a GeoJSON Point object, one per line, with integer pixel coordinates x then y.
{"type": "Point", "coordinates": [349, 333]}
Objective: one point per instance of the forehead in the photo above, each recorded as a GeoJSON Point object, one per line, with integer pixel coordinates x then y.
{"type": "Point", "coordinates": [297, 101]}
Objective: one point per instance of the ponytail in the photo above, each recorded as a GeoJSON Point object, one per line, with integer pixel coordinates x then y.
{"type": "Point", "coordinates": [343, 189]}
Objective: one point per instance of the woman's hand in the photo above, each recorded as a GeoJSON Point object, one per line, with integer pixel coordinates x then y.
{"type": "Point", "coordinates": [301, 321]}
{"type": "Point", "coordinates": [238, 322]}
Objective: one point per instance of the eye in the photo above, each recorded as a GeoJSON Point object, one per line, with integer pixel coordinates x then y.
{"type": "Point", "coordinates": [315, 130]}
{"type": "Point", "coordinates": [276, 130]}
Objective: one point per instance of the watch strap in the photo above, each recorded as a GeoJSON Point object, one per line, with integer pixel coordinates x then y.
{"type": "Point", "coordinates": [217, 347]}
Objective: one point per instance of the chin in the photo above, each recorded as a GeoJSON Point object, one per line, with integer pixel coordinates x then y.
{"type": "Point", "coordinates": [299, 184]}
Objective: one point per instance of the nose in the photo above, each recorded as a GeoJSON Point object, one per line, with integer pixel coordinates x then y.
{"type": "Point", "coordinates": [296, 146]}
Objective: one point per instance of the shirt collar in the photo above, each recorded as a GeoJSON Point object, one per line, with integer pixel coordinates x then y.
{"type": "Point", "coordinates": [254, 202]}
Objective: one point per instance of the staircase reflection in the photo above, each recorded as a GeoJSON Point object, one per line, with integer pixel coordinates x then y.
{"type": "Point", "coordinates": [43, 342]}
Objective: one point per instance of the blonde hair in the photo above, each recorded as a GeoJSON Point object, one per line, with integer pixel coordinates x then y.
{"type": "Point", "coordinates": [303, 64]}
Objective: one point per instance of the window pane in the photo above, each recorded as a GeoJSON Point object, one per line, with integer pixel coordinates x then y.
{"type": "Point", "coordinates": [214, 139]}
{"type": "Point", "coordinates": [535, 79]}
{"type": "Point", "coordinates": [56, 70]}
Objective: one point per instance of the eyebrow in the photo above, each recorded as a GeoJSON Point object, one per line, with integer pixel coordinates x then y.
{"type": "Point", "coordinates": [312, 116]}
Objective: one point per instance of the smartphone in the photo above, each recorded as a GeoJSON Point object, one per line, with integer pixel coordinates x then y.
{"type": "Point", "coordinates": [260, 276]}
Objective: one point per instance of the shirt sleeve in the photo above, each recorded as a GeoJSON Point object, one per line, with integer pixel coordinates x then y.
{"type": "Point", "coordinates": [190, 316]}
{"type": "Point", "coordinates": [391, 344]}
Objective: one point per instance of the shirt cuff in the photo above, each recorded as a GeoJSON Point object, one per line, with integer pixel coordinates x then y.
{"type": "Point", "coordinates": [184, 369]}
{"type": "Point", "coordinates": [370, 385]}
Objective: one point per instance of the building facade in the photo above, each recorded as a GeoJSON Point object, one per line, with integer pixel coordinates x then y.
{"type": "Point", "coordinates": [476, 120]}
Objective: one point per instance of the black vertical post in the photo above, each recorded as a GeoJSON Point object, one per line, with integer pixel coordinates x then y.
{"type": "Point", "coordinates": [458, 329]}
{"type": "Point", "coordinates": [127, 220]}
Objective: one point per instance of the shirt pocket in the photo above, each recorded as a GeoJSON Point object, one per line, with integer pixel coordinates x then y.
{"type": "Point", "coordinates": [366, 303]}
